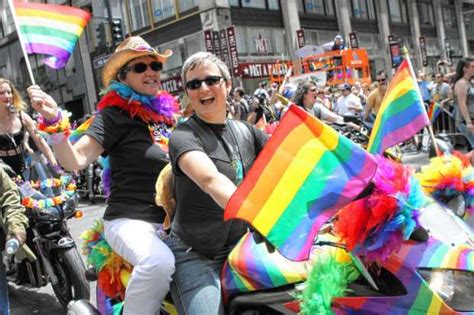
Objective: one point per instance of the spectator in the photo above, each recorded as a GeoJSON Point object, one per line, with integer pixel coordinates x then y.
{"type": "Point", "coordinates": [425, 87]}
{"type": "Point", "coordinates": [241, 106]}
{"type": "Point", "coordinates": [374, 100]}
{"type": "Point", "coordinates": [347, 104]}
{"type": "Point", "coordinates": [441, 92]}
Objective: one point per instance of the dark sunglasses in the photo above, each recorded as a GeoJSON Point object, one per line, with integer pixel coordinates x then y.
{"type": "Point", "coordinates": [141, 67]}
{"type": "Point", "coordinates": [211, 80]}
{"type": "Point", "coordinates": [382, 80]}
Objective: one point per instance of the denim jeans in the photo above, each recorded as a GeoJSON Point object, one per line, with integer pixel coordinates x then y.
{"type": "Point", "coordinates": [196, 286]}
{"type": "Point", "coordinates": [4, 306]}
{"type": "Point", "coordinates": [469, 135]}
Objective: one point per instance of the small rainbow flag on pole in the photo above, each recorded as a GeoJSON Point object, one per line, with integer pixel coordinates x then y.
{"type": "Point", "coordinates": [305, 172]}
{"type": "Point", "coordinates": [50, 29]}
{"type": "Point", "coordinates": [434, 111]}
{"type": "Point", "coordinates": [402, 113]}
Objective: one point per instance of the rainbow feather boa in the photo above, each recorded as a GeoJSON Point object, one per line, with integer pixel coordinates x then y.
{"type": "Point", "coordinates": [447, 176]}
{"type": "Point", "coordinates": [113, 271]}
{"type": "Point", "coordinates": [375, 226]}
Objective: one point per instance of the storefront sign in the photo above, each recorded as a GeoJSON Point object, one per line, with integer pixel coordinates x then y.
{"type": "Point", "coordinates": [353, 41]}
{"type": "Point", "coordinates": [208, 41]}
{"type": "Point", "coordinates": [233, 54]}
{"type": "Point", "coordinates": [262, 70]}
{"type": "Point", "coordinates": [424, 56]}
{"type": "Point", "coordinates": [395, 52]}
{"type": "Point", "coordinates": [173, 84]}
{"type": "Point", "coordinates": [261, 44]}
{"type": "Point", "coordinates": [300, 38]}
{"type": "Point", "coordinates": [224, 47]}
{"type": "Point", "coordinates": [216, 44]}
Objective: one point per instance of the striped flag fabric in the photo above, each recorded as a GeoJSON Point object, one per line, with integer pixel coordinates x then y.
{"type": "Point", "coordinates": [305, 172]}
{"type": "Point", "coordinates": [434, 111]}
{"type": "Point", "coordinates": [50, 29]}
{"type": "Point", "coordinates": [401, 114]}
{"type": "Point", "coordinates": [80, 130]}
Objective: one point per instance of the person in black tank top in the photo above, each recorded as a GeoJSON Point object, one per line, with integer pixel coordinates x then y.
{"type": "Point", "coordinates": [14, 124]}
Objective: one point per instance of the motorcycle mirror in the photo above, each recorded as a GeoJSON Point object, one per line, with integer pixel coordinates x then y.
{"type": "Point", "coordinates": [457, 204]}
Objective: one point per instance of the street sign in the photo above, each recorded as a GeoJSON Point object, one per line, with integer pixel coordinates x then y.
{"type": "Point", "coordinates": [353, 41]}
{"type": "Point", "coordinates": [300, 38]}
{"type": "Point", "coordinates": [100, 61]}
{"type": "Point", "coordinates": [395, 51]}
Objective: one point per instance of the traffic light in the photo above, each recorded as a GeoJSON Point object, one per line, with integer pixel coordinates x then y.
{"type": "Point", "coordinates": [117, 30]}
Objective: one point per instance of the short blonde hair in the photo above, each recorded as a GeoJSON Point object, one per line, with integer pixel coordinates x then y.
{"type": "Point", "coordinates": [17, 99]}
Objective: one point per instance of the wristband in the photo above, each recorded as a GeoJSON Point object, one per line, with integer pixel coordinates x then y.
{"type": "Point", "coordinates": [52, 121]}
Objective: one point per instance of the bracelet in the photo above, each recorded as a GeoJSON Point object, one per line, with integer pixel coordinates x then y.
{"type": "Point", "coordinates": [52, 121]}
{"type": "Point", "coordinates": [61, 126]}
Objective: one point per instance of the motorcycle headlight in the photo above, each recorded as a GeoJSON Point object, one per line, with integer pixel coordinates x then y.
{"type": "Point", "coordinates": [455, 287]}
{"type": "Point", "coordinates": [70, 206]}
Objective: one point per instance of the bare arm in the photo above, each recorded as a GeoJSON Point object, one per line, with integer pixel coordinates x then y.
{"type": "Point", "coordinates": [199, 167]}
{"type": "Point", "coordinates": [461, 94]}
{"type": "Point", "coordinates": [39, 141]}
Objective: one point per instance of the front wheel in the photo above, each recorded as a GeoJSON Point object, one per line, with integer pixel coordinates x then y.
{"type": "Point", "coordinates": [70, 271]}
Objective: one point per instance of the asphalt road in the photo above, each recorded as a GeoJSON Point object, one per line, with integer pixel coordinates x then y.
{"type": "Point", "coordinates": [43, 301]}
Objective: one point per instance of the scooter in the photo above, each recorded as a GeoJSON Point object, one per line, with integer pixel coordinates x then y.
{"type": "Point", "coordinates": [432, 273]}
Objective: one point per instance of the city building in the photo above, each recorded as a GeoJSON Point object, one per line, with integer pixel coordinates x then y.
{"type": "Point", "coordinates": [250, 35]}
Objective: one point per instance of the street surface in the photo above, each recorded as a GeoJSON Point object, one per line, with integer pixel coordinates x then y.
{"type": "Point", "coordinates": [43, 301]}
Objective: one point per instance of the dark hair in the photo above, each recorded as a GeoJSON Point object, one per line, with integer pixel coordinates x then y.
{"type": "Point", "coordinates": [301, 91]}
{"type": "Point", "coordinates": [460, 68]}
{"type": "Point", "coordinates": [380, 72]}
{"type": "Point", "coordinates": [240, 91]}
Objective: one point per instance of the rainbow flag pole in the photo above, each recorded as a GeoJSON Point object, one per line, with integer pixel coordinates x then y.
{"type": "Point", "coordinates": [27, 60]}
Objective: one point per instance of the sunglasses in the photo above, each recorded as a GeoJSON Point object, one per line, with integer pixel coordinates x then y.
{"type": "Point", "coordinates": [141, 67]}
{"type": "Point", "coordinates": [382, 80]}
{"type": "Point", "coordinates": [211, 80]}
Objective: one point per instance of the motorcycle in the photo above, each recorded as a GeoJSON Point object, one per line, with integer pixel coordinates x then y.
{"type": "Point", "coordinates": [50, 254]}
{"type": "Point", "coordinates": [430, 272]}
{"type": "Point", "coordinates": [89, 182]}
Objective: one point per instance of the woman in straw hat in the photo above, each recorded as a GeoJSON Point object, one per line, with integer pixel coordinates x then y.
{"type": "Point", "coordinates": [123, 130]}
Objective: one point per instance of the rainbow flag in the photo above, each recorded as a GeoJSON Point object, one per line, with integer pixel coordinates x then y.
{"type": "Point", "coordinates": [79, 131]}
{"type": "Point", "coordinates": [50, 29]}
{"type": "Point", "coordinates": [305, 172]}
{"type": "Point", "coordinates": [434, 111]}
{"type": "Point", "coordinates": [402, 113]}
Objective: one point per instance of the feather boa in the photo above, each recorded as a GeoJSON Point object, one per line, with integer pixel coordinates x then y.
{"type": "Point", "coordinates": [447, 176]}
{"type": "Point", "coordinates": [328, 279]}
{"type": "Point", "coordinates": [151, 109]}
{"type": "Point", "coordinates": [376, 225]}
{"type": "Point", "coordinates": [112, 270]}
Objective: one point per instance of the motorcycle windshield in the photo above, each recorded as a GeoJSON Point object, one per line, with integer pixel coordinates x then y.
{"type": "Point", "coordinates": [444, 225]}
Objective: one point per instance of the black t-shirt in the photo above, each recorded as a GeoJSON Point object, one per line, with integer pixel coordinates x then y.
{"type": "Point", "coordinates": [135, 164]}
{"type": "Point", "coordinates": [198, 218]}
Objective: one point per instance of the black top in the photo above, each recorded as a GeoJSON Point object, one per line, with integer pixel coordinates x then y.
{"type": "Point", "coordinates": [198, 218]}
{"type": "Point", "coordinates": [15, 161]}
{"type": "Point", "coordinates": [135, 163]}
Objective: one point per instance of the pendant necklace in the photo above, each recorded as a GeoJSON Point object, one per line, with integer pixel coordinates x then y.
{"type": "Point", "coordinates": [10, 136]}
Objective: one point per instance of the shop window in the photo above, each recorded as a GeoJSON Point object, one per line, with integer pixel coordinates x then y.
{"type": "Point", "coordinates": [234, 3]}
{"type": "Point", "coordinates": [241, 43]}
{"type": "Point", "coordinates": [426, 14]}
{"type": "Point", "coordinates": [185, 5]}
{"type": "Point", "coordinates": [257, 4]}
{"type": "Point", "coordinates": [139, 14]}
{"type": "Point", "coordinates": [449, 17]}
{"type": "Point", "coordinates": [319, 7]}
{"type": "Point", "coordinates": [194, 43]}
{"type": "Point", "coordinates": [363, 9]}
{"type": "Point", "coordinates": [398, 11]}
{"type": "Point", "coordinates": [163, 9]}
{"type": "Point", "coordinates": [175, 61]}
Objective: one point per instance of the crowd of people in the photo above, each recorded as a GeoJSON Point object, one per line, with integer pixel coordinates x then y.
{"type": "Point", "coordinates": [210, 151]}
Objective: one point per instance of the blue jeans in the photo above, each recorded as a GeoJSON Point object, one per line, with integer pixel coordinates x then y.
{"type": "Point", "coordinates": [196, 286]}
{"type": "Point", "coordinates": [4, 305]}
{"type": "Point", "coordinates": [469, 135]}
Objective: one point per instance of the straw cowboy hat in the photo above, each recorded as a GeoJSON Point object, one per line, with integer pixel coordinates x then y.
{"type": "Point", "coordinates": [131, 48]}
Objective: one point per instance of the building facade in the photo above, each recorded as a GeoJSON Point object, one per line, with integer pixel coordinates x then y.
{"type": "Point", "coordinates": [250, 35]}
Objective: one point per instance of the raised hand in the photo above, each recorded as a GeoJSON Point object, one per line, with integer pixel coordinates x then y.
{"type": "Point", "coordinates": [42, 102]}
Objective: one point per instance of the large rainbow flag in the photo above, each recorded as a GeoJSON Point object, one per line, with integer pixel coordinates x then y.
{"type": "Point", "coordinates": [50, 29]}
{"type": "Point", "coordinates": [402, 113]}
{"type": "Point", "coordinates": [305, 173]}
